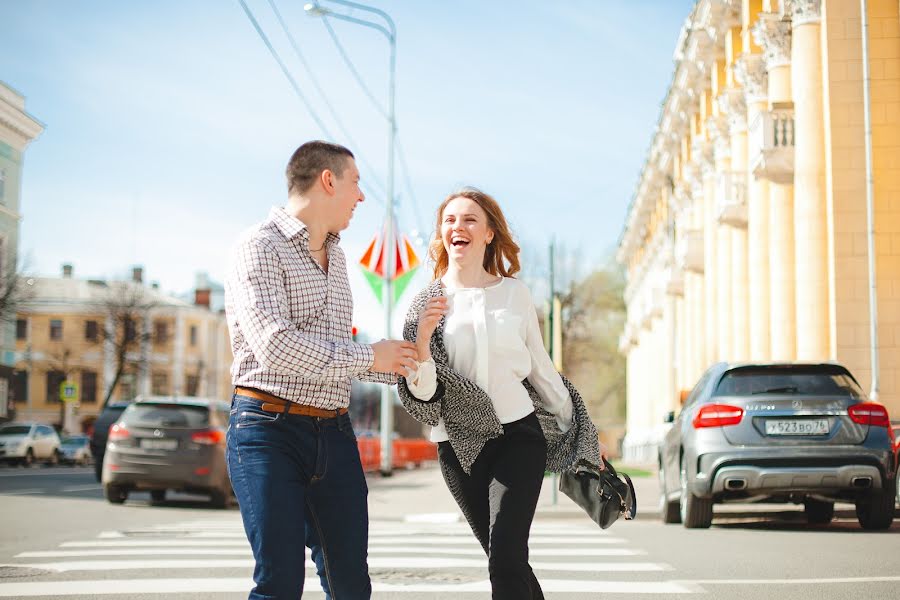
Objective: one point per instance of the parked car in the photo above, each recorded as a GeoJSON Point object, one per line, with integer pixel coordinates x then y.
{"type": "Point", "coordinates": [75, 450]}
{"type": "Point", "coordinates": [110, 414]}
{"type": "Point", "coordinates": [801, 433]}
{"type": "Point", "coordinates": [27, 442]}
{"type": "Point", "coordinates": [168, 443]}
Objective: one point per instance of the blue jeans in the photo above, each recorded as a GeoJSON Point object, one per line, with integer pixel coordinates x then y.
{"type": "Point", "coordinates": [299, 481]}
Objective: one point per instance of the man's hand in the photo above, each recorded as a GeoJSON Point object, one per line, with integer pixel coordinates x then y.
{"type": "Point", "coordinates": [393, 356]}
{"type": "Point", "coordinates": [429, 318]}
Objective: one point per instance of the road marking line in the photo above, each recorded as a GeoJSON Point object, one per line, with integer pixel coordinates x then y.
{"type": "Point", "coordinates": [82, 488]}
{"type": "Point", "coordinates": [820, 580]}
{"type": "Point", "coordinates": [241, 584]}
{"type": "Point", "coordinates": [393, 562]}
{"type": "Point", "coordinates": [23, 492]}
{"type": "Point", "coordinates": [470, 539]}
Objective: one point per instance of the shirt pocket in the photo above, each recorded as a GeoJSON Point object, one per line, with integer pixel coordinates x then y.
{"type": "Point", "coordinates": [506, 327]}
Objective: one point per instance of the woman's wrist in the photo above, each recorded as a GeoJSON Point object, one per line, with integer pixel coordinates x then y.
{"type": "Point", "coordinates": [424, 352]}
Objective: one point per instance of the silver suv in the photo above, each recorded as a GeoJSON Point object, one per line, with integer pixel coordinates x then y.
{"type": "Point", "coordinates": [802, 433]}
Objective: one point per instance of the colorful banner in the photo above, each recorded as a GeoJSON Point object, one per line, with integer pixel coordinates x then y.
{"type": "Point", "coordinates": [374, 263]}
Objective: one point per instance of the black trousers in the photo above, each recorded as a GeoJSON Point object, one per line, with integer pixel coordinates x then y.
{"type": "Point", "coordinates": [498, 500]}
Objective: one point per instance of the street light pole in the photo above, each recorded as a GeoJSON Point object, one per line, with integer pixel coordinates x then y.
{"type": "Point", "coordinates": [387, 401]}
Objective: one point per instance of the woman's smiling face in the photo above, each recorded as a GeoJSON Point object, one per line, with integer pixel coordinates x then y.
{"type": "Point", "coordinates": [465, 231]}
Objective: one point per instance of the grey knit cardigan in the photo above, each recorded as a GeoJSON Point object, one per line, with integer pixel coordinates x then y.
{"type": "Point", "coordinates": [469, 416]}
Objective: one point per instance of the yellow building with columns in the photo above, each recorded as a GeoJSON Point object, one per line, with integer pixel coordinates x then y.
{"type": "Point", "coordinates": [747, 236]}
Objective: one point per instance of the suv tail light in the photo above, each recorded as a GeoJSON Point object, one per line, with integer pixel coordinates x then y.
{"type": "Point", "coordinates": [210, 437]}
{"type": "Point", "coordinates": [869, 413]}
{"type": "Point", "coordinates": [118, 433]}
{"type": "Point", "coordinates": [718, 415]}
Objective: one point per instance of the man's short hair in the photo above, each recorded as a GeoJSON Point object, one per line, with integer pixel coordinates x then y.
{"type": "Point", "coordinates": [310, 159]}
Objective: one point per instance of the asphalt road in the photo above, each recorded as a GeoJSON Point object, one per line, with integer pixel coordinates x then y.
{"type": "Point", "coordinates": [60, 539]}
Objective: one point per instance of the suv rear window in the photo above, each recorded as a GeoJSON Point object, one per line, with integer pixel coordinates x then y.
{"type": "Point", "coordinates": [810, 381]}
{"type": "Point", "coordinates": [166, 415]}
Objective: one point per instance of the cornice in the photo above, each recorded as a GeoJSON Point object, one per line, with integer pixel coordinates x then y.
{"type": "Point", "coordinates": [773, 34]}
{"type": "Point", "coordinates": [20, 123]}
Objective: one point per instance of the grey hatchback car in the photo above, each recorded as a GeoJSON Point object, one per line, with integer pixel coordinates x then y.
{"type": "Point", "coordinates": [788, 432]}
{"type": "Point", "coordinates": [168, 443]}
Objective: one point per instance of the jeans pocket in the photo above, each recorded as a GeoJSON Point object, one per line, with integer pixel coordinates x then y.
{"type": "Point", "coordinates": [250, 416]}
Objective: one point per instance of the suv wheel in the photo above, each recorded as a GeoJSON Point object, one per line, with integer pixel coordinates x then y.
{"type": "Point", "coordinates": [28, 459]}
{"type": "Point", "coordinates": [158, 496]}
{"type": "Point", "coordinates": [54, 458]}
{"type": "Point", "coordinates": [116, 494]}
{"type": "Point", "coordinates": [696, 513]}
{"type": "Point", "coordinates": [668, 510]}
{"type": "Point", "coordinates": [876, 511]}
{"type": "Point", "coordinates": [818, 512]}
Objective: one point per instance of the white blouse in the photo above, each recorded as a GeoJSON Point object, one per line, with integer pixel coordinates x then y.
{"type": "Point", "coordinates": [493, 338]}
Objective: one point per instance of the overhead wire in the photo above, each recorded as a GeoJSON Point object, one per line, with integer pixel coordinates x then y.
{"type": "Point", "coordinates": [321, 91]}
{"type": "Point", "coordinates": [368, 93]}
{"type": "Point", "coordinates": [293, 82]}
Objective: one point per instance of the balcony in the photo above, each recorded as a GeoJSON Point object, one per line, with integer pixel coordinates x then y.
{"type": "Point", "coordinates": [731, 199]}
{"type": "Point", "coordinates": [771, 138]}
{"type": "Point", "coordinates": [689, 251]}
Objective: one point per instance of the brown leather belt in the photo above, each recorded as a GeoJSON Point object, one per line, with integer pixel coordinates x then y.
{"type": "Point", "coordinates": [275, 404]}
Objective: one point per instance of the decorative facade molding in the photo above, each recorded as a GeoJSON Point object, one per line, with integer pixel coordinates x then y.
{"type": "Point", "coordinates": [750, 72]}
{"type": "Point", "coordinates": [773, 34]}
{"type": "Point", "coordinates": [804, 12]}
{"type": "Point", "coordinates": [718, 131]}
{"type": "Point", "coordinates": [733, 105]}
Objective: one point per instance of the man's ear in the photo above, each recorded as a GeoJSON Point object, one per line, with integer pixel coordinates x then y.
{"type": "Point", "coordinates": [326, 177]}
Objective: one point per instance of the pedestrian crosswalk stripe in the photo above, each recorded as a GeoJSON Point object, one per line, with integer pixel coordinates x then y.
{"type": "Point", "coordinates": [242, 585]}
{"type": "Point", "coordinates": [407, 562]}
{"type": "Point", "coordinates": [469, 539]}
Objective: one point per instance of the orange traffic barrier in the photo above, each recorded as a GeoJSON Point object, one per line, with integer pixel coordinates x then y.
{"type": "Point", "coordinates": [408, 453]}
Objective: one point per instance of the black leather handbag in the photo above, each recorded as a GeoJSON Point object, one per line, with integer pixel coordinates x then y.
{"type": "Point", "coordinates": [605, 495]}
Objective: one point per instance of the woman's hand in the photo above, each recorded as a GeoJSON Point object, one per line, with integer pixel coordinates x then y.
{"type": "Point", "coordinates": [429, 318]}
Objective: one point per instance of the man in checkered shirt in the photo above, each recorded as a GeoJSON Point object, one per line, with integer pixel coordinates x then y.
{"type": "Point", "coordinates": [292, 453]}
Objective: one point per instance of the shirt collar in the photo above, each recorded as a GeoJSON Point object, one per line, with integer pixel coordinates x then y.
{"type": "Point", "coordinates": [292, 227]}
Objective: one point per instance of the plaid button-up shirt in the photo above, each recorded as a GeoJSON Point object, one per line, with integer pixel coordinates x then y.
{"type": "Point", "coordinates": [290, 321]}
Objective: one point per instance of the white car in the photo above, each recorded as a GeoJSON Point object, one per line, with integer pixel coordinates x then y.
{"type": "Point", "coordinates": [28, 442]}
{"type": "Point", "coordinates": [76, 450]}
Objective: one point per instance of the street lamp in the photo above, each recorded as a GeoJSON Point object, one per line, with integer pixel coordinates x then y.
{"type": "Point", "coordinates": [314, 9]}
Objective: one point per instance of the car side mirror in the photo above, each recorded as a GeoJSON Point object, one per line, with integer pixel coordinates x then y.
{"type": "Point", "coordinates": [670, 417]}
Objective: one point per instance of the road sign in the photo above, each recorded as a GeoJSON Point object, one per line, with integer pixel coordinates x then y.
{"type": "Point", "coordinates": [68, 391]}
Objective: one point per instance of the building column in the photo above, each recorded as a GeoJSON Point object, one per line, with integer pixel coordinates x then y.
{"type": "Point", "coordinates": [722, 248]}
{"type": "Point", "coordinates": [774, 36]}
{"type": "Point", "coordinates": [698, 308]}
{"type": "Point", "coordinates": [732, 104]}
{"type": "Point", "coordinates": [750, 71]}
{"type": "Point", "coordinates": [810, 215]}
{"type": "Point", "coordinates": [710, 267]}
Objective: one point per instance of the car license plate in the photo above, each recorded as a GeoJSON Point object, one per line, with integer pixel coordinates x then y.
{"type": "Point", "coordinates": [159, 444]}
{"type": "Point", "coordinates": [796, 426]}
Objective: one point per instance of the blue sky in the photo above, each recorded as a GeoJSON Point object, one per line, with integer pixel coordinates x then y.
{"type": "Point", "coordinates": [168, 123]}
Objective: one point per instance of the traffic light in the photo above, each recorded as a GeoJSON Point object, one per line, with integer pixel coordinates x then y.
{"type": "Point", "coordinates": [353, 332]}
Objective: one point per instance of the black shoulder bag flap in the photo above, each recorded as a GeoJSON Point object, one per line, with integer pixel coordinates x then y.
{"type": "Point", "coordinates": [604, 495]}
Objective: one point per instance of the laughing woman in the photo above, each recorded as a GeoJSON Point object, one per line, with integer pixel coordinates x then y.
{"type": "Point", "coordinates": [499, 411]}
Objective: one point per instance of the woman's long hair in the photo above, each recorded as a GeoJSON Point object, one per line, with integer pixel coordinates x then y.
{"type": "Point", "coordinates": [497, 254]}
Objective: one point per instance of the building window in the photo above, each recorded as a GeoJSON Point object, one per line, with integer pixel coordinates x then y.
{"type": "Point", "coordinates": [88, 387]}
{"type": "Point", "coordinates": [130, 329]}
{"type": "Point", "coordinates": [161, 332]}
{"type": "Point", "coordinates": [160, 384]}
{"type": "Point", "coordinates": [54, 381]}
{"type": "Point", "coordinates": [21, 329]}
{"type": "Point", "coordinates": [193, 335]}
{"type": "Point", "coordinates": [91, 332]}
{"type": "Point", "coordinates": [55, 329]}
{"type": "Point", "coordinates": [20, 386]}
{"type": "Point", "coordinates": [191, 384]}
